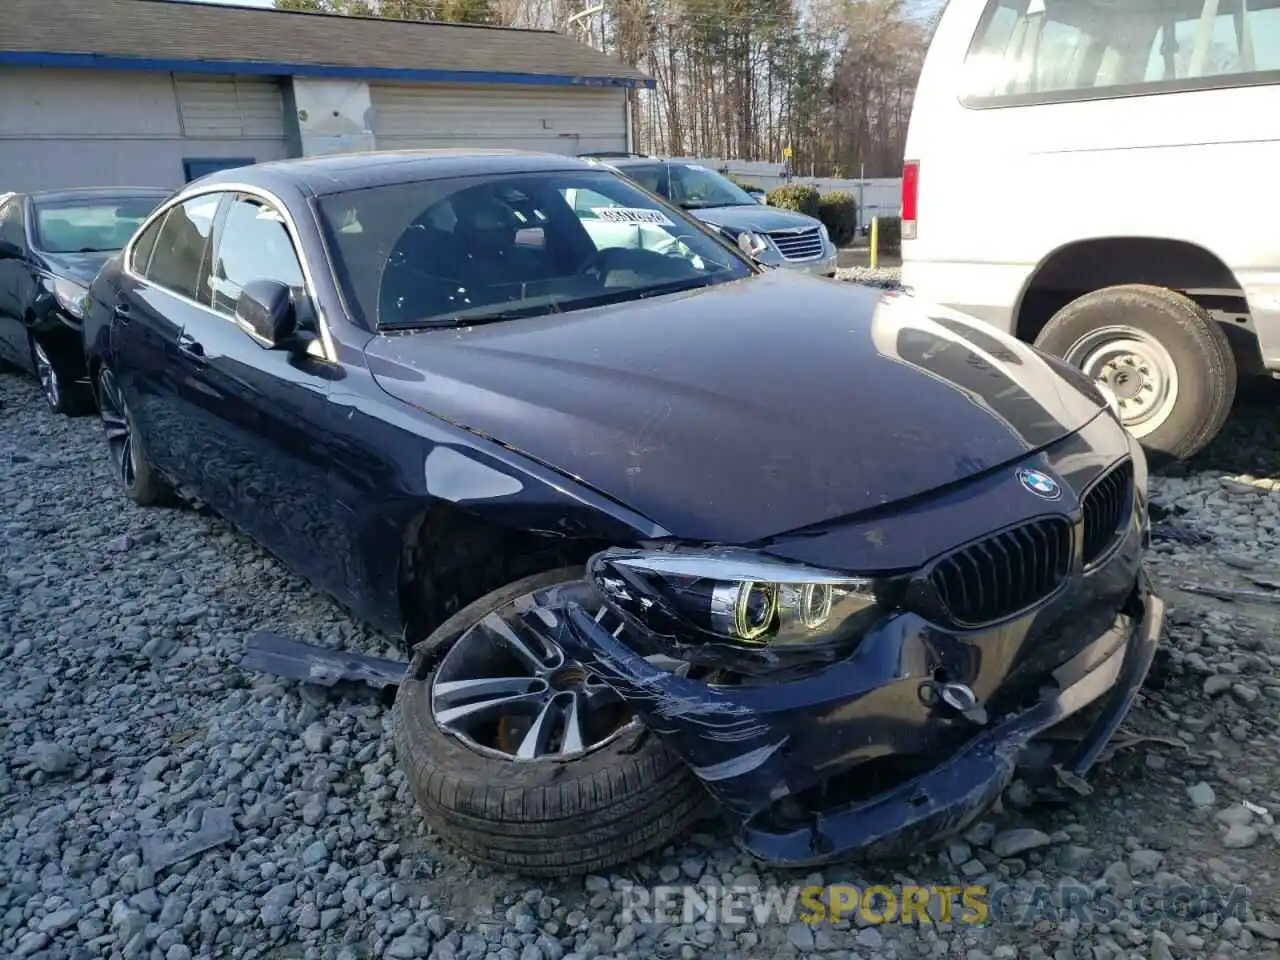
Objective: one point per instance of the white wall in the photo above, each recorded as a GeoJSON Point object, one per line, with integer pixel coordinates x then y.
{"type": "Point", "coordinates": [333, 116]}
{"type": "Point", "coordinates": [73, 128]}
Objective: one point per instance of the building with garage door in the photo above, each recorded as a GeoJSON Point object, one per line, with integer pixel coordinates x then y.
{"type": "Point", "coordinates": [157, 92]}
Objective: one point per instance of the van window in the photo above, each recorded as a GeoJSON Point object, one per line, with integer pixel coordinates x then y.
{"type": "Point", "coordinates": [1042, 51]}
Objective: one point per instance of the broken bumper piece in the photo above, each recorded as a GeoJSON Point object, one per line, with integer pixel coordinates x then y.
{"type": "Point", "coordinates": [864, 757]}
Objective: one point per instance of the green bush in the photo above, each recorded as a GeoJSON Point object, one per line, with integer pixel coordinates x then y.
{"type": "Point", "coordinates": [839, 211]}
{"type": "Point", "coordinates": [744, 184]}
{"type": "Point", "coordinates": [890, 237]}
{"type": "Point", "coordinates": [796, 196]}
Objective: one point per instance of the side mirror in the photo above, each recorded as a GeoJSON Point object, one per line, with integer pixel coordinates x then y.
{"type": "Point", "coordinates": [266, 312]}
{"type": "Point", "coordinates": [9, 251]}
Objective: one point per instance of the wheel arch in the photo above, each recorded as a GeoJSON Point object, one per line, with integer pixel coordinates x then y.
{"type": "Point", "coordinates": [1082, 266]}
{"type": "Point", "coordinates": [450, 557]}
{"type": "Point", "coordinates": [484, 518]}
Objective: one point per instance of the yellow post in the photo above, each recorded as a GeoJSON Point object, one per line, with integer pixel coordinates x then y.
{"type": "Point", "coordinates": [875, 241]}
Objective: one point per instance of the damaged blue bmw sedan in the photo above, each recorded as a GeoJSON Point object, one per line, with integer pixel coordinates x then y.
{"type": "Point", "coordinates": [665, 533]}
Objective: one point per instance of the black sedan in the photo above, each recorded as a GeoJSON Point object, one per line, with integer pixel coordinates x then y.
{"type": "Point", "coordinates": [661, 527]}
{"type": "Point", "coordinates": [52, 245]}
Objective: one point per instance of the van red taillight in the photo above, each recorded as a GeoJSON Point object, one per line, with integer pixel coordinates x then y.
{"type": "Point", "coordinates": [910, 198]}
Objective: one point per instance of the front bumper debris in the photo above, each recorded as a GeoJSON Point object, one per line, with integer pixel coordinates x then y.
{"type": "Point", "coordinates": [851, 761]}
{"type": "Point", "coordinates": [268, 652]}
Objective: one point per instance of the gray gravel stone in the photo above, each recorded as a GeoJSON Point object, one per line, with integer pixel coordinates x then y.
{"type": "Point", "coordinates": [1010, 843]}
{"type": "Point", "coordinates": [1202, 795]}
{"type": "Point", "coordinates": [52, 757]}
{"type": "Point", "coordinates": [317, 738]}
{"type": "Point", "coordinates": [1240, 836]}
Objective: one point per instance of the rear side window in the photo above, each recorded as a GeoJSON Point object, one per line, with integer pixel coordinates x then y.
{"type": "Point", "coordinates": [179, 261]}
{"type": "Point", "coordinates": [1045, 51]}
{"type": "Point", "coordinates": [140, 257]}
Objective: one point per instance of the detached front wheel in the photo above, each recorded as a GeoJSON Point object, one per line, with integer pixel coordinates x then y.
{"type": "Point", "coordinates": [1163, 356]}
{"type": "Point", "coordinates": [524, 760]}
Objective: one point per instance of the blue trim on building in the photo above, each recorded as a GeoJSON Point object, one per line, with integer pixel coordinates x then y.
{"type": "Point", "coordinates": [94, 61]}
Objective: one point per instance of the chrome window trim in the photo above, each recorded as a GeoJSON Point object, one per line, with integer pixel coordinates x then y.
{"type": "Point", "coordinates": [266, 196]}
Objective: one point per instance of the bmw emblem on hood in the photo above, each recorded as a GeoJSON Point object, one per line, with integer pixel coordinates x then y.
{"type": "Point", "coordinates": [1040, 483]}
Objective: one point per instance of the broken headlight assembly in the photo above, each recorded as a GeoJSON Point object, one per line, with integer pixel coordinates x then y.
{"type": "Point", "coordinates": [737, 610]}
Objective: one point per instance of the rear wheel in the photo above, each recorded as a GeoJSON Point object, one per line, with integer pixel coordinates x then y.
{"type": "Point", "coordinates": [62, 393]}
{"type": "Point", "coordinates": [521, 758]}
{"type": "Point", "coordinates": [124, 446]}
{"type": "Point", "coordinates": [1165, 358]}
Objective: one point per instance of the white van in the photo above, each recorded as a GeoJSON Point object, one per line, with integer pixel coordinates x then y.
{"type": "Point", "coordinates": [1102, 177]}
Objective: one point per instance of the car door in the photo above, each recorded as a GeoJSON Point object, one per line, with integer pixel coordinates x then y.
{"type": "Point", "coordinates": [15, 284]}
{"type": "Point", "coordinates": [163, 282]}
{"type": "Point", "coordinates": [254, 416]}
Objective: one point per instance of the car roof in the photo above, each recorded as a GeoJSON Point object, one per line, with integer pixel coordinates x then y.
{"type": "Point", "coordinates": [338, 173]}
{"type": "Point", "coordinates": [97, 193]}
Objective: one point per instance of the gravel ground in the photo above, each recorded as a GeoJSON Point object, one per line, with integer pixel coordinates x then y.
{"type": "Point", "coordinates": [157, 802]}
{"type": "Point", "coordinates": [890, 277]}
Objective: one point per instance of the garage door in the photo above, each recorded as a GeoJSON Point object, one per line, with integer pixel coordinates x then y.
{"type": "Point", "coordinates": [554, 119]}
{"type": "Point", "coordinates": [76, 128]}
{"type": "Point", "coordinates": [229, 108]}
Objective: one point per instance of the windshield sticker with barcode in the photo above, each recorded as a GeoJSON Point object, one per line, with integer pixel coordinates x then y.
{"type": "Point", "coordinates": [633, 215]}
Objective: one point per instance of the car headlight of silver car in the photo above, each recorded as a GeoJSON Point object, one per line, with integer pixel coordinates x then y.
{"type": "Point", "coordinates": [733, 607]}
{"type": "Point", "coordinates": [752, 244]}
{"type": "Point", "coordinates": [70, 296]}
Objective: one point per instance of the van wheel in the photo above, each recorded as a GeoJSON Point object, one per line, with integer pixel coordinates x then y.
{"type": "Point", "coordinates": [523, 760]}
{"type": "Point", "coordinates": [1165, 358]}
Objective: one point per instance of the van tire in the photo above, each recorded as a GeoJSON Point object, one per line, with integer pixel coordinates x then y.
{"type": "Point", "coordinates": [547, 818]}
{"type": "Point", "coordinates": [1165, 329]}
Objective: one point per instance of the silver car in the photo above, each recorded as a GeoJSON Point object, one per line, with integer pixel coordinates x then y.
{"type": "Point", "coordinates": [777, 238]}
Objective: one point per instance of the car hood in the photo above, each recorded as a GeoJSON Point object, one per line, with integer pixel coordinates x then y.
{"type": "Point", "coordinates": [746, 409]}
{"type": "Point", "coordinates": [80, 267]}
{"type": "Point", "coordinates": [755, 217]}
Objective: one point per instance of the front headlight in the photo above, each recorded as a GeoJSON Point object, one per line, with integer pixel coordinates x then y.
{"type": "Point", "coordinates": [826, 234]}
{"type": "Point", "coordinates": [70, 296]}
{"type": "Point", "coordinates": [709, 605]}
{"type": "Point", "coordinates": [752, 244]}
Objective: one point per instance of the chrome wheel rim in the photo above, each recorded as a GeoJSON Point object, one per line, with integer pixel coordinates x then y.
{"type": "Point", "coordinates": [1136, 367]}
{"type": "Point", "coordinates": [47, 374]}
{"type": "Point", "coordinates": [115, 424]}
{"type": "Point", "coordinates": [506, 689]}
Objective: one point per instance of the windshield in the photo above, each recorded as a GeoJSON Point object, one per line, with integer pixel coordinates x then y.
{"type": "Point", "coordinates": [689, 185]}
{"type": "Point", "coordinates": [103, 225]}
{"type": "Point", "coordinates": [476, 249]}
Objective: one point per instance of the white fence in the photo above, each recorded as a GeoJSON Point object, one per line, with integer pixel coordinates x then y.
{"type": "Point", "coordinates": [877, 197]}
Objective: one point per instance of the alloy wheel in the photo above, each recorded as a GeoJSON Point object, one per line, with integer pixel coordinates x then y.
{"type": "Point", "coordinates": [506, 688]}
{"type": "Point", "coordinates": [116, 426]}
{"type": "Point", "coordinates": [1136, 367]}
{"type": "Point", "coordinates": [47, 374]}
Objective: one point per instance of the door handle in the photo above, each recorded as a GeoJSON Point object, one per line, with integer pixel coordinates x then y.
{"type": "Point", "coordinates": [121, 312]}
{"type": "Point", "coordinates": [190, 346]}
